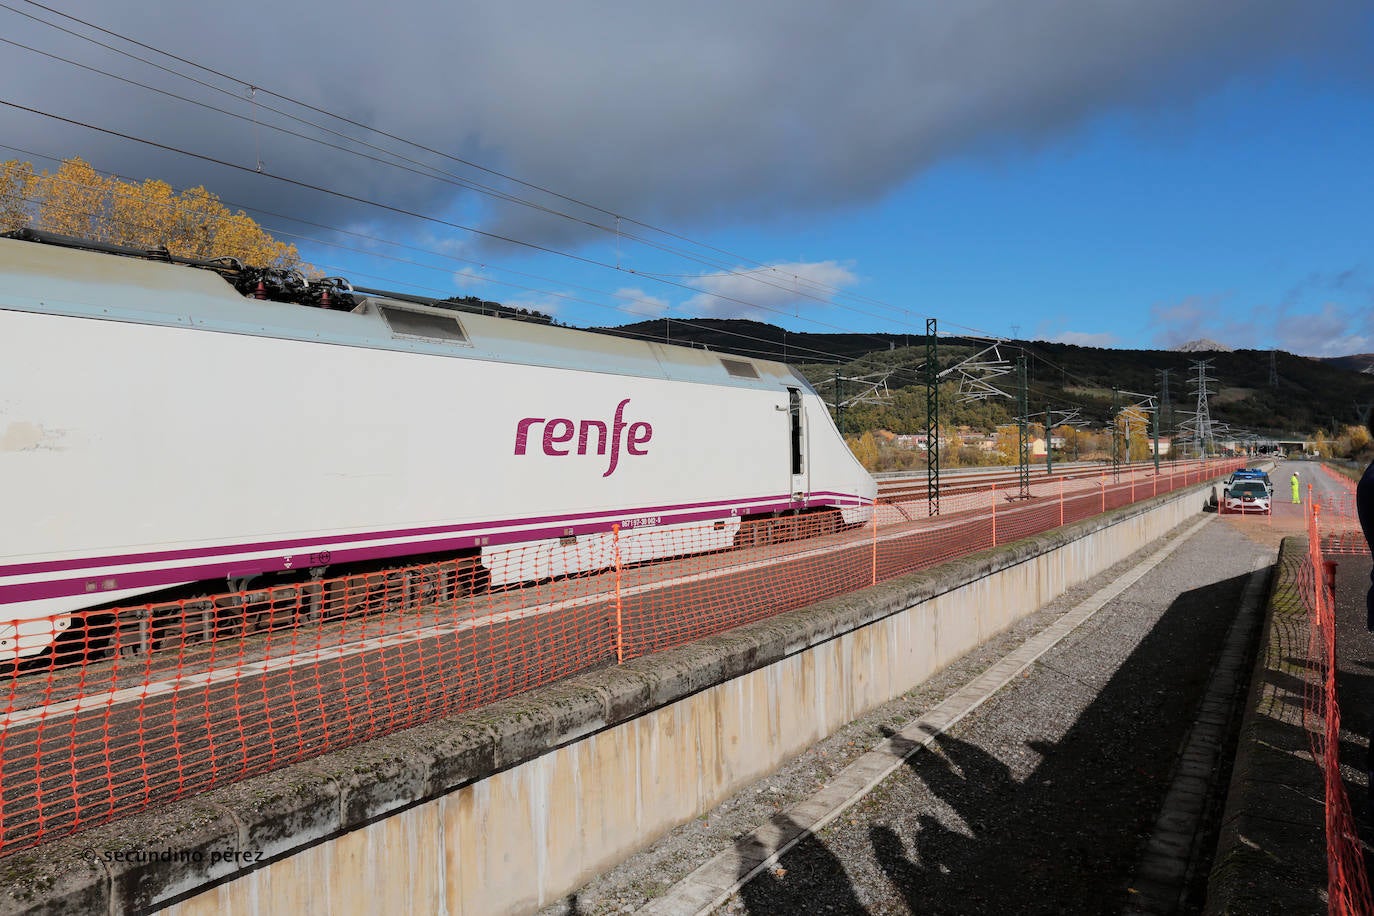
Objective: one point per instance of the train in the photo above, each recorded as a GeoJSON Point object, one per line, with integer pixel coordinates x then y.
{"type": "Point", "coordinates": [170, 424]}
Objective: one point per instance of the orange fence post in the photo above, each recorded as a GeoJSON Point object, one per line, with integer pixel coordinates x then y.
{"type": "Point", "coordinates": [994, 515]}
{"type": "Point", "coordinates": [875, 545]}
{"type": "Point", "coordinates": [619, 610]}
{"type": "Point", "coordinates": [1103, 484]}
{"type": "Point", "coordinates": [1061, 502]}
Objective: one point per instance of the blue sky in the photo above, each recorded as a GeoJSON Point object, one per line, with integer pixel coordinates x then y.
{"type": "Point", "coordinates": [1114, 174]}
{"type": "Point", "coordinates": [1243, 216]}
{"type": "Point", "coordinates": [1235, 217]}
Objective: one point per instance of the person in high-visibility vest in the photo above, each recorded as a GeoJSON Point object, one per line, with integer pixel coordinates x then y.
{"type": "Point", "coordinates": [1296, 498]}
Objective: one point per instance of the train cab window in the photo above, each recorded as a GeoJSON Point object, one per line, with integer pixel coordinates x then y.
{"type": "Point", "coordinates": [794, 412]}
{"type": "Point", "coordinates": [424, 325]}
{"type": "Point", "coordinates": [739, 368]}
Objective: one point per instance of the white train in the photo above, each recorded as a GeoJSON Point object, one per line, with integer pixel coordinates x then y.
{"type": "Point", "coordinates": [160, 428]}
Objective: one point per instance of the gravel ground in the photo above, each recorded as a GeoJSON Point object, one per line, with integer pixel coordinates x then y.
{"type": "Point", "coordinates": [1039, 801]}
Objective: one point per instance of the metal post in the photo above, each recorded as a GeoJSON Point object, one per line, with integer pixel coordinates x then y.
{"type": "Point", "coordinates": [994, 515]}
{"type": "Point", "coordinates": [1023, 433]}
{"type": "Point", "coordinates": [875, 545]}
{"type": "Point", "coordinates": [1156, 432]}
{"type": "Point", "coordinates": [1049, 449]}
{"type": "Point", "coordinates": [839, 406]}
{"type": "Point", "coordinates": [1116, 434]}
{"type": "Point", "coordinates": [932, 420]}
{"type": "Point", "coordinates": [619, 610]}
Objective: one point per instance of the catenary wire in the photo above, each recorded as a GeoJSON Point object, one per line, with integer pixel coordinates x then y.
{"type": "Point", "coordinates": [833, 291]}
{"type": "Point", "coordinates": [821, 354]}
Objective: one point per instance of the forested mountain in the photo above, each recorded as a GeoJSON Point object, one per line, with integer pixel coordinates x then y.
{"type": "Point", "coordinates": [1310, 394]}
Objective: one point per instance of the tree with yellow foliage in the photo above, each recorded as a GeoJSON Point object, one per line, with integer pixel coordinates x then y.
{"type": "Point", "coordinates": [15, 178]}
{"type": "Point", "coordinates": [1352, 441]}
{"type": "Point", "coordinates": [77, 200]}
{"type": "Point", "coordinates": [865, 448]}
{"type": "Point", "coordinates": [1133, 425]}
{"type": "Point", "coordinates": [1008, 445]}
{"type": "Point", "coordinates": [949, 455]}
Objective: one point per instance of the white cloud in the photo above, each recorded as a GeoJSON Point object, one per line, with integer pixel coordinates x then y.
{"type": "Point", "coordinates": [682, 114]}
{"type": "Point", "coordinates": [637, 302]}
{"type": "Point", "coordinates": [770, 292]}
{"type": "Point", "coordinates": [1196, 317]}
{"type": "Point", "coordinates": [469, 278]}
{"type": "Point", "coordinates": [549, 304]}
{"type": "Point", "coordinates": [1084, 339]}
{"type": "Point", "coordinates": [1332, 330]}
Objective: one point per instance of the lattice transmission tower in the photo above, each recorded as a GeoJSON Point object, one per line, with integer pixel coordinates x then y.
{"type": "Point", "coordinates": [1200, 430]}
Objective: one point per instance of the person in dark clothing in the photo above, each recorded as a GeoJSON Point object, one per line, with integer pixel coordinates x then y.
{"type": "Point", "coordinates": [1364, 504]}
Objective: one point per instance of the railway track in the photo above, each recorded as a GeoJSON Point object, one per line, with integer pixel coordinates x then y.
{"type": "Point", "coordinates": [903, 489]}
{"type": "Point", "coordinates": [88, 743]}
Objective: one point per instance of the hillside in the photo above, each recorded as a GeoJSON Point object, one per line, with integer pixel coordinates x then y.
{"type": "Point", "coordinates": [1310, 394]}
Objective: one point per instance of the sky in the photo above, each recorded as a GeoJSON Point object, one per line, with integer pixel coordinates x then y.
{"type": "Point", "coordinates": [1099, 172]}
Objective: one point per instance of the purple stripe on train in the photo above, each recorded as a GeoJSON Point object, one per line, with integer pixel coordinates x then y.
{"type": "Point", "coordinates": [231, 562]}
{"type": "Point", "coordinates": [748, 503]}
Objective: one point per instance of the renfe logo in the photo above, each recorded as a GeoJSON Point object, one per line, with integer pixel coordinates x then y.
{"type": "Point", "coordinates": [559, 431]}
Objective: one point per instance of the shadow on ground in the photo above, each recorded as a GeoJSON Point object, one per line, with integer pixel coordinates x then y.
{"type": "Point", "coordinates": [1066, 839]}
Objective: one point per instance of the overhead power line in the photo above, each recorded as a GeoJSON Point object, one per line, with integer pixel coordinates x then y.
{"type": "Point", "coordinates": [403, 211]}
{"type": "Point", "coordinates": [823, 355]}
{"type": "Point", "coordinates": [829, 293]}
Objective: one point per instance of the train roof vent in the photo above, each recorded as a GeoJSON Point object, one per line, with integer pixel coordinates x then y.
{"type": "Point", "coordinates": [425, 325]}
{"type": "Point", "coordinates": [739, 368]}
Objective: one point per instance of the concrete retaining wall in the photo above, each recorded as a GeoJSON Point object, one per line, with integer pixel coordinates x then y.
{"type": "Point", "coordinates": [510, 807]}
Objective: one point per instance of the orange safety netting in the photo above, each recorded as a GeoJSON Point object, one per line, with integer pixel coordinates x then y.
{"type": "Point", "coordinates": [1329, 532]}
{"type": "Point", "coordinates": [153, 702]}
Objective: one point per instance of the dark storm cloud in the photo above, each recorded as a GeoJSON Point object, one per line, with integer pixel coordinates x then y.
{"type": "Point", "coordinates": [683, 114]}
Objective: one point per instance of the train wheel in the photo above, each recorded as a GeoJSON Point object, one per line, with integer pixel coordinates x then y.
{"type": "Point", "coordinates": [828, 522]}
{"type": "Point", "coordinates": [89, 639]}
{"type": "Point", "coordinates": [86, 640]}
{"type": "Point", "coordinates": [752, 533]}
{"type": "Point", "coordinates": [473, 579]}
